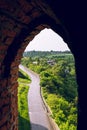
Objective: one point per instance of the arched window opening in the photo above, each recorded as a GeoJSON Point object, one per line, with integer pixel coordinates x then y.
{"type": "Point", "coordinates": [47, 40]}
{"type": "Point", "coordinates": [50, 57]}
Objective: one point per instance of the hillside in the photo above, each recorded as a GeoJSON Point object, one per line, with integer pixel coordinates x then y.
{"type": "Point", "coordinates": [58, 84]}
{"type": "Point", "coordinates": [44, 53]}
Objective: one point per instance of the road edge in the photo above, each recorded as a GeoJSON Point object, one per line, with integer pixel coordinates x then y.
{"type": "Point", "coordinates": [49, 113]}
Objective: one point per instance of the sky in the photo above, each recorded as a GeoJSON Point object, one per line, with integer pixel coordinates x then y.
{"type": "Point", "coordinates": [47, 40]}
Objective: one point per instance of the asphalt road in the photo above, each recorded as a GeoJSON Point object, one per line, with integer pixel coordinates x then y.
{"type": "Point", "coordinates": [38, 116]}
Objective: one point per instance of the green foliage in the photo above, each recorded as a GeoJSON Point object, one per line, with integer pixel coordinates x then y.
{"type": "Point", "coordinates": [58, 82]}
{"type": "Point", "coordinates": [23, 117]}
{"type": "Point", "coordinates": [40, 54]}
{"type": "Point", "coordinates": [64, 113]}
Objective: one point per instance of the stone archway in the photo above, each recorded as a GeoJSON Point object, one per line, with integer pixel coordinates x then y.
{"type": "Point", "coordinates": [20, 21]}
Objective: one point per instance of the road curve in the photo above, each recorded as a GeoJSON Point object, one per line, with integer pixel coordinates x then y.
{"type": "Point", "coordinates": [38, 117]}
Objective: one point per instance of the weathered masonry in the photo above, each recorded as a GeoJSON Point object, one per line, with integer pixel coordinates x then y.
{"type": "Point", "coordinates": [20, 21]}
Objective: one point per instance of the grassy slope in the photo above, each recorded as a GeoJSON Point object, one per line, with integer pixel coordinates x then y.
{"type": "Point", "coordinates": [23, 118]}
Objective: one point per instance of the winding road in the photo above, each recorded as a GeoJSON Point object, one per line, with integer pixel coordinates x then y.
{"type": "Point", "coordinates": [38, 116]}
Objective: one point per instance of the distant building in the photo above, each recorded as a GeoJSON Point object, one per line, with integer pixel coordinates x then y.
{"type": "Point", "coordinates": [35, 62]}
{"type": "Point", "coordinates": [51, 62]}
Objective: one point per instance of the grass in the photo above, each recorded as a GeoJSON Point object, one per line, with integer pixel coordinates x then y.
{"type": "Point", "coordinates": [23, 116]}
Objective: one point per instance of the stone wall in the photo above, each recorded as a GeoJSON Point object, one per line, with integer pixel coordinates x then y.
{"type": "Point", "coordinates": [15, 35]}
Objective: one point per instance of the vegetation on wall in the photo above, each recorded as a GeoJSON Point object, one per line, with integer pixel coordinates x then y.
{"type": "Point", "coordinates": [58, 82]}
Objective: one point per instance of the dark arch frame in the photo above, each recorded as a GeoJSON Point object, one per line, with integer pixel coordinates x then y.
{"type": "Point", "coordinates": [16, 44]}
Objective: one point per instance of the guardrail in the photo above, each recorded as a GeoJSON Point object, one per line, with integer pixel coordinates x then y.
{"type": "Point", "coordinates": [49, 113]}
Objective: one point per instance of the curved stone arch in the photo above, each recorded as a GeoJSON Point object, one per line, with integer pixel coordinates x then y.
{"type": "Point", "coordinates": [32, 29]}
{"type": "Point", "coordinates": [12, 59]}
